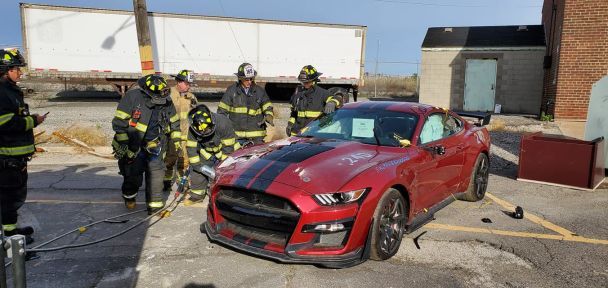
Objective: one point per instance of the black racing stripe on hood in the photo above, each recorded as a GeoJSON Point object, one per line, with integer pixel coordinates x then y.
{"type": "Point", "coordinates": [283, 157]}
{"type": "Point", "coordinates": [250, 173]}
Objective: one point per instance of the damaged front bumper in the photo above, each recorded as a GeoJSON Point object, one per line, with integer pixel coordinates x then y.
{"type": "Point", "coordinates": [290, 256]}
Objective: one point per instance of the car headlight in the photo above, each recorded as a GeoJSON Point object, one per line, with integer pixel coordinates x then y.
{"type": "Point", "coordinates": [329, 199]}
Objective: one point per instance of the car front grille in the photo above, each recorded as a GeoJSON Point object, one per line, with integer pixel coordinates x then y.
{"type": "Point", "coordinates": [257, 215]}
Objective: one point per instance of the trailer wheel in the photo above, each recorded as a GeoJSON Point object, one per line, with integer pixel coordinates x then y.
{"type": "Point", "coordinates": [339, 91]}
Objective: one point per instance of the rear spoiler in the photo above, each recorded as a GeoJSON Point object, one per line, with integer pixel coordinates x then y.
{"type": "Point", "coordinates": [483, 117]}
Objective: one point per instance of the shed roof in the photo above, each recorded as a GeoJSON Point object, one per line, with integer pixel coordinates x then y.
{"type": "Point", "coordinates": [485, 36]}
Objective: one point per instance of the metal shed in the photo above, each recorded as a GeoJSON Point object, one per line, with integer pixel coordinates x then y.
{"type": "Point", "coordinates": [476, 68]}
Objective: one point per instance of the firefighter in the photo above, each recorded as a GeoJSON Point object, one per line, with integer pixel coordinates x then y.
{"type": "Point", "coordinates": [16, 142]}
{"type": "Point", "coordinates": [144, 122]}
{"type": "Point", "coordinates": [248, 107]}
{"type": "Point", "coordinates": [184, 101]}
{"type": "Point", "coordinates": [210, 140]}
{"type": "Point", "coordinates": [310, 101]}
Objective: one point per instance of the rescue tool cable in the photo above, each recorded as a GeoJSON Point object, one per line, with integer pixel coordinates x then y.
{"type": "Point", "coordinates": [166, 209]}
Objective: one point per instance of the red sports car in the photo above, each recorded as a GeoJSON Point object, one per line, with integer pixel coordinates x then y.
{"type": "Point", "coordinates": [349, 185]}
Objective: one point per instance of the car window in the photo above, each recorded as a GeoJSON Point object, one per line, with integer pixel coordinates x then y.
{"type": "Point", "coordinates": [369, 126]}
{"type": "Point", "coordinates": [438, 126]}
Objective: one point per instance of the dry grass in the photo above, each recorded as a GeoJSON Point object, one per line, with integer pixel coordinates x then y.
{"type": "Point", "coordinates": [91, 135]}
{"type": "Point", "coordinates": [497, 125]}
{"type": "Point", "coordinates": [390, 85]}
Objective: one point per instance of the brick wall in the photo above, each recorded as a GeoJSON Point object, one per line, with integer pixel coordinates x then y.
{"type": "Point", "coordinates": [579, 47]}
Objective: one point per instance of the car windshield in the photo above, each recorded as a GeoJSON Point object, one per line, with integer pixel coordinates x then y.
{"type": "Point", "coordinates": [360, 125]}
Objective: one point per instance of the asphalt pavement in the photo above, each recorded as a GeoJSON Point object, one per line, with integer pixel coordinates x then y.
{"type": "Point", "coordinates": [562, 241]}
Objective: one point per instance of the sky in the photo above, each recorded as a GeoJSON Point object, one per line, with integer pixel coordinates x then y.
{"type": "Point", "coordinates": [395, 28]}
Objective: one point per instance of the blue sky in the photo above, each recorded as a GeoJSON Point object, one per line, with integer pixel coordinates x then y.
{"type": "Point", "coordinates": [398, 25]}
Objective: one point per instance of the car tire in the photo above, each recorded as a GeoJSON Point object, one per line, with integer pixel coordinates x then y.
{"type": "Point", "coordinates": [387, 230]}
{"type": "Point", "coordinates": [479, 180]}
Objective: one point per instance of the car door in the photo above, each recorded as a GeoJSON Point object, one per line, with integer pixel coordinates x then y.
{"type": "Point", "coordinates": [442, 149]}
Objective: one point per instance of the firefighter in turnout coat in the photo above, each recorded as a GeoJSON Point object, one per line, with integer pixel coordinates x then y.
{"type": "Point", "coordinates": [184, 101]}
{"type": "Point", "coordinates": [248, 107]}
{"type": "Point", "coordinates": [310, 101]}
{"type": "Point", "coordinates": [144, 122]}
{"type": "Point", "coordinates": [16, 143]}
{"type": "Point", "coordinates": [210, 140]}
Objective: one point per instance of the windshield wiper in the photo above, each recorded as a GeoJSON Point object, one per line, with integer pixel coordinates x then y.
{"type": "Point", "coordinates": [376, 135]}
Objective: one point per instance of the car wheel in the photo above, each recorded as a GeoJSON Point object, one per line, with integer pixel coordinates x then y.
{"type": "Point", "coordinates": [479, 180]}
{"type": "Point", "coordinates": [387, 231]}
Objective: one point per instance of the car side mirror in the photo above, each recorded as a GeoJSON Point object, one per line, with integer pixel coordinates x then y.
{"type": "Point", "coordinates": [438, 149]}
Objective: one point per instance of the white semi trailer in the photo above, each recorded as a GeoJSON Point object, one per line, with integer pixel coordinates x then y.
{"type": "Point", "coordinates": [72, 43]}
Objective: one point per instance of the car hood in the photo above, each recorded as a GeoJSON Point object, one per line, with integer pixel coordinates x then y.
{"type": "Point", "coordinates": [310, 164]}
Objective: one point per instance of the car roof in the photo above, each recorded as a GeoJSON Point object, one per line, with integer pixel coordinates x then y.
{"type": "Point", "coordinates": [407, 107]}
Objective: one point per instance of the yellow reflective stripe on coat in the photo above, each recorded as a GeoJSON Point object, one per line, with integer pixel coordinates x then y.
{"type": "Point", "coordinates": [122, 115]}
{"type": "Point", "coordinates": [156, 204]}
{"type": "Point", "coordinates": [191, 144]}
{"type": "Point", "coordinates": [214, 149]}
{"type": "Point", "coordinates": [229, 141]}
{"type": "Point", "coordinates": [220, 155]}
{"type": "Point", "coordinates": [250, 134]}
{"type": "Point", "coordinates": [141, 127]}
{"type": "Point", "coordinates": [292, 120]}
{"type": "Point", "coordinates": [205, 154]}
{"type": "Point", "coordinates": [224, 106]}
{"type": "Point", "coordinates": [194, 160]}
{"type": "Point", "coordinates": [122, 137]}
{"type": "Point", "coordinates": [269, 112]}
{"type": "Point", "coordinates": [237, 146]}
{"type": "Point", "coordinates": [16, 151]}
{"type": "Point", "coordinates": [176, 135]}
{"type": "Point", "coordinates": [266, 105]}
{"type": "Point", "coordinates": [5, 118]}
{"type": "Point", "coordinates": [29, 123]}
{"type": "Point", "coordinates": [309, 114]}
{"type": "Point", "coordinates": [174, 118]}
{"type": "Point", "coordinates": [332, 99]}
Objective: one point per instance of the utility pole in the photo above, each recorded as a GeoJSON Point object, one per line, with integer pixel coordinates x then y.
{"type": "Point", "coordinates": [146, 55]}
{"type": "Point", "coordinates": [376, 71]}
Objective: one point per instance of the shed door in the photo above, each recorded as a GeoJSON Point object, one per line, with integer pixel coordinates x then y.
{"type": "Point", "coordinates": [480, 85]}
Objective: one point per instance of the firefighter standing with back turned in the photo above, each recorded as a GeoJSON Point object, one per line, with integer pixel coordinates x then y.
{"type": "Point", "coordinates": [309, 103]}
{"type": "Point", "coordinates": [184, 101]}
{"type": "Point", "coordinates": [247, 106]}
{"type": "Point", "coordinates": [210, 140]}
{"type": "Point", "coordinates": [16, 143]}
{"type": "Point", "coordinates": [143, 122]}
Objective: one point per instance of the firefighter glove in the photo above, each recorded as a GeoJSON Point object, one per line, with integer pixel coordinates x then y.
{"type": "Point", "coordinates": [330, 107]}
{"type": "Point", "coordinates": [288, 129]}
{"type": "Point", "coordinates": [120, 150]}
{"type": "Point", "coordinates": [269, 119]}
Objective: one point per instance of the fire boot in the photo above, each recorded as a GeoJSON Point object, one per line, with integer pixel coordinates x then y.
{"type": "Point", "coordinates": [167, 186]}
{"type": "Point", "coordinates": [130, 204]}
{"type": "Point", "coordinates": [26, 231]}
{"type": "Point", "coordinates": [194, 198]}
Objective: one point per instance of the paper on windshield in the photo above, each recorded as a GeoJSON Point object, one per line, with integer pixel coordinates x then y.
{"type": "Point", "coordinates": [363, 128]}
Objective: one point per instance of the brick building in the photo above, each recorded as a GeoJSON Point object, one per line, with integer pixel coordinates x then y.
{"type": "Point", "coordinates": [475, 68]}
{"type": "Point", "coordinates": [577, 55]}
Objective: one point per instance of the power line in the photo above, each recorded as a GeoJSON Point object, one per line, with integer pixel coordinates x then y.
{"type": "Point", "coordinates": [233, 34]}
{"type": "Point", "coordinates": [445, 4]}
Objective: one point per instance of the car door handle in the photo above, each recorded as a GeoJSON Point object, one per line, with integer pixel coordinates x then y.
{"type": "Point", "coordinates": [460, 146]}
